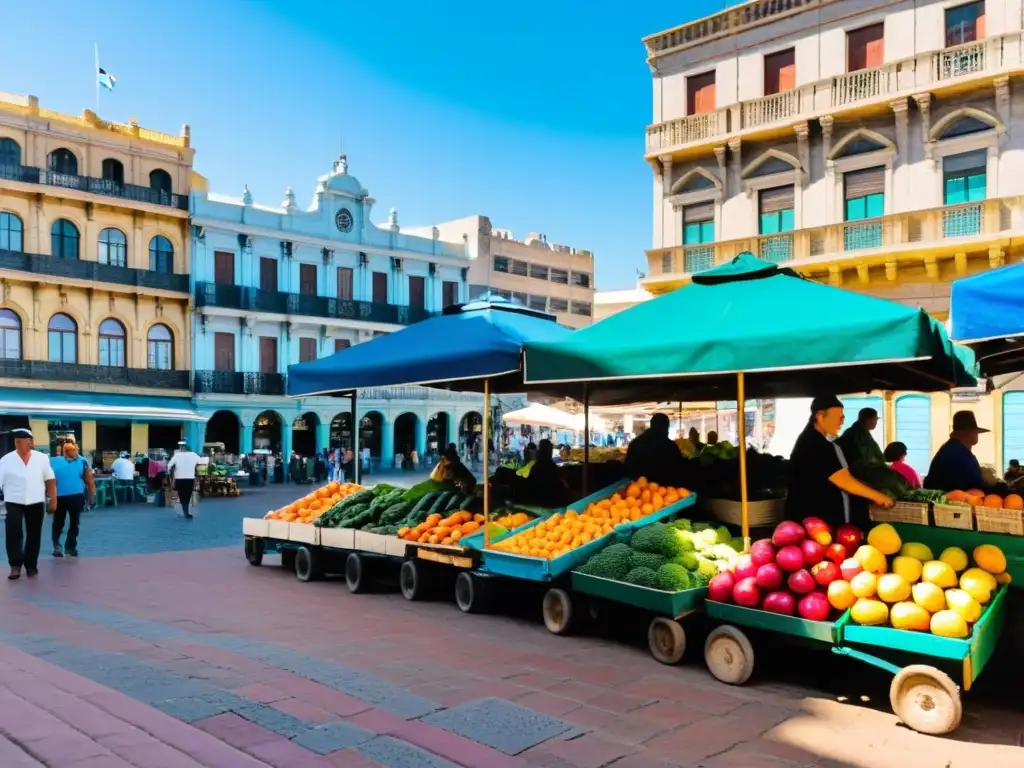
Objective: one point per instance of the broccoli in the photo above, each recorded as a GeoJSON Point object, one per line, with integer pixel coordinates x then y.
{"type": "Point", "coordinates": [723, 552]}
{"type": "Point", "coordinates": [611, 563]}
{"type": "Point", "coordinates": [672, 577]}
{"type": "Point", "coordinates": [646, 560]}
{"type": "Point", "coordinates": [657, 538]}
{"type": "Point", "coordinates": [698, 580]}
{"type": "Point", "coordinates": [683, 524]}
{"type": "Point", "coordinates": [707, 567]}
{"type": "Point", "coordinates": [688, 560]}
{"type": "Point", "coordinates": [642, 577]}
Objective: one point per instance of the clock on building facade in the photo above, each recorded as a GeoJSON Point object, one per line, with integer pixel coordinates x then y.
{"type": "Point", "coordinates": [343, 220]}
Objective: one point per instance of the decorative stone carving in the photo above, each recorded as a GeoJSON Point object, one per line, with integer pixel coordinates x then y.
{"type": "Point", "coordinates": [924, 105]}
{"type": "Point", "coordinates": [960, 260]}
{"type": "Point", "coordinates": [289, 200]}
{"type": "Point", "coordinates": [931, 267]}
{"type": "Point", "coordinates": [863, 274]}
{"type": "Point", "coordinates": [835, 276]}
{"type": "Point", "coordinates": [246, 195]}
{"type": "Point", "coordinates": [891, 271]}
{"type": "Point", "coordinates": [666, 174]}
{"type": "Point", "coordinates": [996, 258]}
{"type": "Point", "coordinates": [803, 131]}
{"type": "Point", "coordinates": [827, 122]}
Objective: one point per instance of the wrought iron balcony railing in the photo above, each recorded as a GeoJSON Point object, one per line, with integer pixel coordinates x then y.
{"type": "Point", "coordinates": [90, 270]}
{"type": "Point", "coordinates": [237, 383]}
{"type": "Point", "coordinates": [29, 174]}
{"type": "Point", "coordinates": [94, 374]}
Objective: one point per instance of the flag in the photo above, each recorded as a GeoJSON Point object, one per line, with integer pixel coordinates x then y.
{"type": "Point", "coordinates": [106, 79]}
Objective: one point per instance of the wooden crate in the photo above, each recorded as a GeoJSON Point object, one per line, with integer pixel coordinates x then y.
{"type": "Point", "coordinates": [995, 520]}
{"type": "Point", "coordinates": [254, 526]}
{"type": "Point", "coordinates": [956, 516]}
{"type": "Point", "coordinates": [762, 513]}
{"type": "Point", "coordinates": [900, 512]}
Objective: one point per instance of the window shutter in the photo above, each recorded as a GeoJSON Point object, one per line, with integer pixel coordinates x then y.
{"type": "Point", "coordinates": [693, 214]}
{"type": "Point", "coordinates": [776, 199]}
{"type": "Point", "coordinates": [968, 161]}
{"type": "Point", "coordinates": [870, 181]}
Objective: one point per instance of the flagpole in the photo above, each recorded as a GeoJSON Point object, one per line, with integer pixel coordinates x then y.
{"type": "Point", "coordinates": [96, 76]}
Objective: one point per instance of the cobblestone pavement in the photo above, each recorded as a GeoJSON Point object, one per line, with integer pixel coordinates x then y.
{"type": "Point", "coordinates": [191, 657]}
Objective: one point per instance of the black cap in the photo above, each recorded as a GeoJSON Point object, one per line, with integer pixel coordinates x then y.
{"type": "Point", "coordinates": [962, 421]}
{"type": "Point", "coordinates": [824, 402]}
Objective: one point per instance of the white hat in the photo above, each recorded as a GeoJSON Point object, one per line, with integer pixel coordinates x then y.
{"type": "Point", "coordinates": [21, 433]}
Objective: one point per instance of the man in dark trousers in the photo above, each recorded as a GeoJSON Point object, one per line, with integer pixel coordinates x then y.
{"type": "Point", "coordinates": [28, 484]}
{"type": "Point", "coordinates": [75, 486]}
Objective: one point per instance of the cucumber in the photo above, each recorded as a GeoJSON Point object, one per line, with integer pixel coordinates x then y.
{"type": "Point", "coordinates": [440, 502]}
{"type": "Point", "coordinates": [454, 503]}
{"type": "Point", "coordinates": [425, 503]}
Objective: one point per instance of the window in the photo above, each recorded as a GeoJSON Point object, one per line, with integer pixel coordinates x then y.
{"type": "Point", "coordinates": [864, 193]}
{"type": "Point", "coordinates": [10, 335]}
{"type": "Point", "coordinates": [699, 224]}
{"type": "Point", "coordinates": [775, 210]}
{"type": "Point", "coordinates": [965, 24]}
{"type": "Point", "coordinates": [560, 276]}
{"type": "Point", "coordinates": [666, 263]}
{"type": "Point", "coordinates": [518, 268]}
{"type": "Point", "coordinates": [520, 297]}
{"type": "Point", "coordinates": [160, 347]}
{"type": "Point", "coordinates": [10, 232]}
{"type": "Point", "coordinates": [112, 343]}
{"type": "Point", "coordinates": [10, 156]}
{"type": "Point", "coordinates": [500, 264]}
{"type": "Point", "coordinates": [307, 350]}
{"type": "Point", "coordinates": [964, 179]}
{"type": "Point", "coordinates": [539, 303]}
{"type": "Point", "coordinates": [345, 283]}
{"type": "Point", "coordinates": [779, 72]}
{"type": "Point", "coordinates": [161, 255]}
{"type": "Point", "coordinates": [160, 180]}
{"type": "Point", "coordinates": [581, 279]}
{"type": "Point", "coordinates": [417, 292]}
{"type": "Point", "coordinates": [63, 161]}
{"type": "Point", "coordinates": [113, 248]}
{"type": "Point", "coordinates": [449, 293]}
{"type": "Point", "coordinates": [307, 279]}
{"type": "Point", "coordinates": [581, 308]}
{"type": "Point", "coordinates": [112, 170]}
{"type": "Point", "coordinates": [380, 287]}
{"type": "Point", "coordinates": [700, 93]}
{"type": "Point", "coordinates": [965, 127]}
{"type": "Point", "coordinates": [62, 339]}
{"type": "Point", "coordinates": [268, 354]}
{"type": "Point", "coordinates": [340, 344]}
{"type": "Point", "coordinates": [865, 47]}
{"type": "Point", "coordinates": [268, 274]}
{"type": "Point", "coordinates": [64, 240]}
{"type": "Point", "coordinates": [224, 352]}
{"type": "Point", "coordinates": [224, 267]}
{"type": "Point", "coordinates": [539, 271]}
{"type": "Point", "coordinates": [558, 305]}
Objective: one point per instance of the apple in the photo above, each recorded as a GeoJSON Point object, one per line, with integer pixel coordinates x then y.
{"type": "Point", "coordinates": [849, 536]}
{"type": "Point", "coordinates": [836, 552]}
{"type": "Point", "coordinates": [814, 552]}
{"type": "Point", "coordinates": [769, 577]}
{"type": "Point", "coordinates": [800, 582]}
{"type": "Point", "coordinates": [762, 552]}
{"type": "Point", "coordinates": [825, 573]}
{"type": "Point", "coordinates": [818, 530]}
{"type": "Point", "coordinates": [849, 568]}
{"type": "Point", "coordinates": [744, 568]}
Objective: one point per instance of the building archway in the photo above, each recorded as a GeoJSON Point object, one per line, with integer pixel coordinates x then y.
{"type": "Point", "coordinates": [371, 432]}
{"type": "Point", "coordinates": [267, 431]}
{"type": "Point", "coordinates": [304, 434]}
{"type": "Point", "coordinates": [470, 429]}
{"type": "Point", "coordinates": [438, 433]}
{"type": "Point", "coordinates": [341, 431]}
{"type": "Point", "coordinates": [222, 427]}
{"type": "Point", "coordinates": [405, 433]}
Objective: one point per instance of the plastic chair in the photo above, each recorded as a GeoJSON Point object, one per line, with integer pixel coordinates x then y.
{"type": "Point", "coordinates": [125, 488]}
{"type": "Point", "coordinates": [104, 495]}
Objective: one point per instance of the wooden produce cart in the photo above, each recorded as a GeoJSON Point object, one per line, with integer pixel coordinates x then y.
{"type": "Point", "coordinates": [217, 485]}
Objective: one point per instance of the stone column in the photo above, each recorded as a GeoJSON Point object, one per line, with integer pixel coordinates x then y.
{"type": "Point", "coordinates": [140, 438]}
{"type": "Point", "coordinates": [286, 446]}
{"type": "Point", "coordinates": [323, 435]}
{"type": "Point", "coordinates": [421, 436]}
{"type": "Point", "coordinates": [901, 169]}
{"type": "Point", "coordinates": [245, 437]}
{"type": "Point", "coordinates": [88, 437]}
{"type": "Point", "coordinates": [195, 435]}
{"type": "Point", "coordinates": [1002, 85]}
{"type": "Point", "coordinates": [387, 444]}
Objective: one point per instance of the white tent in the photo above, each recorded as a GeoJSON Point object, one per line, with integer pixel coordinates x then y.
{"type": "Point", "coordinates": [539, 415]}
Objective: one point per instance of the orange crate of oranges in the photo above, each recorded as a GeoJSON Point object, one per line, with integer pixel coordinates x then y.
{"type": "Point", "coordinates": [993, 513]}
{"type": "Point", "coordinates": [310, 507]}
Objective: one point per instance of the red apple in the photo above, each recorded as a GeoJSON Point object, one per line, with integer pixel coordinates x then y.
{"type": "Point", "coordinates": [849, 536]}
{"type": "Point", "coordinates": [836, 552]}
{"type": "Point", "coordinates": [744, 568]}
{"type": "Point", "coordinates": [825, 573]}
{"type": "Point", "coordinates": [818, 530]}
{"type": "Point", "coordinates": [850, 568]}
{"type": "Point", "coordinates": [800, 582]}
{"type": "Point", "coordinates": [814, 552]}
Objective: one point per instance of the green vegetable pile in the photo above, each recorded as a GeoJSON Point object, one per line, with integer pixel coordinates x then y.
{"type": "Point", "coordinates": [922, 496]}
{"type": "Point", "coordinates": [384, 509]}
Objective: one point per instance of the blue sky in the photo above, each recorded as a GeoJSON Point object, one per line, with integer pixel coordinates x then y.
{"type": "Point", "coordinates": [530, 112]}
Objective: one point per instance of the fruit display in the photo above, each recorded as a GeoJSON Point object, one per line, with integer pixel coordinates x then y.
{"type": "Point", "coordinates": [315, 504]}
{"type": "Point", "coordinates": [388, 513]}
{"type": "Point", "coordinates": [598, 455]}
{"type": "Point", "coordinates": [563, 532]}
{"type": "Point", "coordinates": [436, 529]}
{"type": "Point", "coordinates": [667, 557]}
{"type": "Point", "coordinates": [977, 498]}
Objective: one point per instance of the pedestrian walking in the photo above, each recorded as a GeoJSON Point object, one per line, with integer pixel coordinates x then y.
{"type": "Point", "coordinates": [182, 469]}
{"type": "Point", "coordinates": [27, 481]}
{"type": "Point", "coordinates": [76, 486]}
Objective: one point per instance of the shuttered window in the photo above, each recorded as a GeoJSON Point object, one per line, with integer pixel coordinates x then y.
{"type": "Point", "coordinates": [417, 292]}
{"type": "Point", "coordinates": [864, 193]}
{"type": "Point", "coordinates": [779, 72]}
{"type": "Point", "coordinates": [345, 283]}
{"type": "Point", "coordinates": [699, 224]}
{"type": "Point", "coordinates": [964, 177]}
{"type": "Point", "coordinates": [700, 93]}
{"type": "Point", "coordinates": [776, 210]}
{"type": "Point", "coordinates": [307, 350]}
{"type": "Point", "coordinates": [965, 23]}
{"type": "Point", "coordinates": [865, 47]}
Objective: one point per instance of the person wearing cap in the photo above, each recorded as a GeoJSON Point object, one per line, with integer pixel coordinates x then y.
{"type": "Point", "coordinates": [820, 482]}
{"type": "Point", "coordinates": [182, 469]}
{"type": "Point", "coordinates": [75, 486]}
{"type": "Point", "coordinates": [954, 466]}
{"type": "Point", "coordinates": [29, 487]}
{"type": "Point", "coordinates": [123, 468]}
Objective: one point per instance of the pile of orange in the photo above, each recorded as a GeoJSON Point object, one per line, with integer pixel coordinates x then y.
{"type": "Point", "coordinates": [310, 507]}
{"type": "Point", "coordinates": [977, 498]}
{"type": "Point", "coordinates": [562, 533]}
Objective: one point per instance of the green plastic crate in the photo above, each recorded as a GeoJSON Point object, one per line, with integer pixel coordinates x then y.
{"type": "Point", "coordinates": [669, 604]}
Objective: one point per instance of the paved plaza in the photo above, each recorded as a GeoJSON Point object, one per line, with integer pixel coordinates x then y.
{"type": "Point", "coordinates": [161, 647]}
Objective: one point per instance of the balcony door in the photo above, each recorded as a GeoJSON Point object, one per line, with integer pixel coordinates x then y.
{"type": "Point", "coordinates": [380, 287]}
{"type": "Point", "coordinates": [965, 24]}
{"type": "Point", "coordinates": [268, 274]}
{"type": "Point", "coordinates": [775, 222]}
{"type": "Point", "coordinates": [268, 354]}
{"type": "Point", "coordinates": [700, 93]}
{"type": "Point", "coordinates": [307, 350]}
{"type": "Point", "coordinates": [964, 180]}
{"type": "Point", "coordinates": [865, 47]}
{"type": "Point", "coordinates": [779, 72]}
{"type": "Point", "coordinates": [224, 267]}
{"type": "Point", "coordinates": [307, 279]}
{"type": "Point", "coordinates": [698, 231]}
{"type": "Point", "coordinates": [224, 352]}
{"type": "Point", "coordinates": [449, 293]}
{"type": "Point", "coordinates": [417, 292]}
{"type": "Point", "coordinates": [345, 291]}
{"type": "Point", "coordinates": [864, 193]}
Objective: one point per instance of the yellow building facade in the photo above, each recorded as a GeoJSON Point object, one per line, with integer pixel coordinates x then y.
{"type": "Point", "coordinates": [94, 278]}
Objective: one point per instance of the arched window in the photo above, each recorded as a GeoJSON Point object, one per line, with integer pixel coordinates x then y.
{"type": "Point", "coordinates": [64, 240]}
{"type": "Point", "coordinates": [160, 342]}
{"type": "Point", "coordinates": [113, 170]}
{"type": "Point", "coordinates": [10, 232]}
{"type": "Point", "coordinates": [965, 126]}
{"type": "Point", "coordinates": [63, 161]}
{"type": "Point", "coordinates": [113, 248]}
{"type": "Point", "coordinates": [160, 180]}
{"type": "Point", "coordinates": [161, 255]}
{"type": "Point", "coordinates": [10, 335]}
{"type": "Point", "coordinates": [62, 339]}
{"type": "Point", "coordinates": [112, 343]}
{"type": "Point", "coordinates": [10, 153]}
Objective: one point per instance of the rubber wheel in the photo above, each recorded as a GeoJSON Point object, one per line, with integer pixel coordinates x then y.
{"type": "Point", "coordinates": [254, 551]}
{"type": "Point", "coordinates": [306, 566]}
{"type": "Point", "coordinates": [354, 573]}
{"type": "Point", "coordinates": [667, 640]}
{"type": "Point", "coordinates": [729, 655]}
{"type": "Point", "coordinates": [926, 700]}
{"type": "Point", "coordinates": [411, 580]}
{"type": "Point", "coordinates": [557, 607]}
{"type": "Point", "coordinates": [288, 559]}
{"type": "Point", "coordinates": [469, 593]}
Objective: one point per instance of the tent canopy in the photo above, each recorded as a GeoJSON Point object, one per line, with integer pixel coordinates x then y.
{"type": "Point", "coordinates": [546, 416]}
{"type": "Point", "coordinates": [793, 336]}
{"type": "Point", "coordinates": [455, 350]}
{"type": "Point", "coordinates": [985, 310]}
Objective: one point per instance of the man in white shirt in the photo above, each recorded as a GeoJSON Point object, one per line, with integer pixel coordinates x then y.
{"type": "Point", "coordinates": [28, 483]}
{"type": "Point", "coordinates": [182, 469]}
{"type": "Point", "coordinates": [123, 468]}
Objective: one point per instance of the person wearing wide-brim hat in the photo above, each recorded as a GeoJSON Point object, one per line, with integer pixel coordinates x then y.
{"type": "Point", "coordinates": [954, 466]}
{"type": "Point", "coordinates": [29, 486]}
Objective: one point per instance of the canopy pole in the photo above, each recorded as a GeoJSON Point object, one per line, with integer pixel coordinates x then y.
{"type": "Point", "coordinates": [357, 458]}
{"type": "Point", "coordinates": [486, 454]}
{"type": "Point", "coordinates": [741, 431]}
{"type": "Point", "coordinates": [680, 430]}
{"type": "Point", "coordinates": [586, 438]}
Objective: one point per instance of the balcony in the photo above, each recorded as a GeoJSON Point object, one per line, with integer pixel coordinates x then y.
{"type": "Point", "coordinates": [42, 370]}
{"type": "Point", "coordinates": [417, 393]}
{"type": "Point", "coordinates": [277, 302]}
{"type": "Point", "coordinates": [926, 72]}
{"type": "Point", "coordinates": [39, 264]}
{"type": "Point", "coordinates": [238, 383]}
{"type": "Point", "coordinates": [29, 174]}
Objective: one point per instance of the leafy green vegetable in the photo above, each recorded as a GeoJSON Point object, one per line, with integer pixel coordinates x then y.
{"type": "Point", "coordinates": [642, 577]}
{"type": "Point", "coordinates": [672, 577]}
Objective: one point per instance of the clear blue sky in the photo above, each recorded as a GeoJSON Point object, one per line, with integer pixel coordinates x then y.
{"type": "Point", "coordinates": [531, 112]}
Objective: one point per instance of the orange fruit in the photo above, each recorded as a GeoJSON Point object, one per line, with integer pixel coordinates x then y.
{"type": "Point", "coordinates": [992, 500]}
{"type": "Point", "coordinates": [956, 496]}
{"type": "Point", "coordinates": [1013, 501]}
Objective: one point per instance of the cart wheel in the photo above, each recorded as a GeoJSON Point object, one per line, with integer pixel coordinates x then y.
{"type": "Point", "coordinates": [469, 593]}
{"type": "Point", "coordinates": [254, 551]}
{"type": "Point", "coordinates": [354, 573]}
{"type": "Point", "coordinates": [411, 580]}
{"type": "Point", "coordinates": [729, 655]}
{"type": "Point", "coordinates": [926, 700]}
{"type": "Point", "coordinates": [557, 607]}
{"type": "Point", "coordinates": [306, 566]}
{"type": "Point", "coordinates": [288, 559]}
{"type": "Point", "coordinates": [667, 640]}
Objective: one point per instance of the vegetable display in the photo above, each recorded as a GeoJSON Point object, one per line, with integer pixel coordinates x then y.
{"type": "Point", "coordinates": [311, 507]}
{"type": "Point", "coordinates": [437, 530]}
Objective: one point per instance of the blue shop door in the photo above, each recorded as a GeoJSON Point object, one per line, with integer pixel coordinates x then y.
{"type": "Point", "coordinates": [914, 429]}
{"type": "Point", "coordinates": [852, 406]}
{"type": "Point", "coordinates": [1013, 427]}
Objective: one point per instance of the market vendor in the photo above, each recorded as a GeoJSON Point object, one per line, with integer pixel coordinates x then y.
{"type": "Point", "coordinates": [450, 469]}
{"type": "Point", "coordinates": [820, 483]}
{"type": "Point", "coordinates": [542, 481]}
{"type": "Point", "coordinates": [858, 444]}
{"type": "Point", "coordinates": [954, 466]}
{"type": "Point", "coordinates": [654, 455]}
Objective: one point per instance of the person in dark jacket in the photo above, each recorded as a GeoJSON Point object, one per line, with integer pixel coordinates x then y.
{"type": "Point", "coordinates": [954, 466]}
{"type": "Point", "coordinates": [653, 454]}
